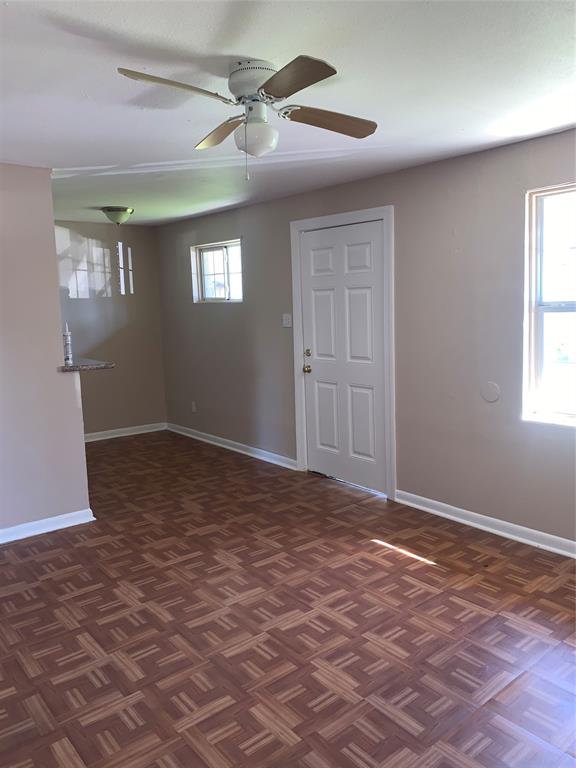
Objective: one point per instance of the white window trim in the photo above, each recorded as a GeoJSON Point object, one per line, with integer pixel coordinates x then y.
{"type": "Point", "coordinates": [197, 276]}
{"type": "Point", "coordinates": [534, 310]}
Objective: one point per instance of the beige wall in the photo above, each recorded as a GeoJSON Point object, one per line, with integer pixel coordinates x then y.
{"type": "Point", "coordinates": [125, 329]}
{"type": "Point", "coordinates": [459, 309]}
{"type": "Point", "coordinates": [42, 464]}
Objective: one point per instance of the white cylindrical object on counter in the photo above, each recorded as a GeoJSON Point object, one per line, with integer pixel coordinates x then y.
{"type": "Point", "coordinates": [67, 336]}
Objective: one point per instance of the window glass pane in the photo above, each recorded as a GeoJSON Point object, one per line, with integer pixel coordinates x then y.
{"type": "Point", "coordinates": [208, 285]}
{"type": "Point", "coordinates": [558, 243]}
{"type": "Point", "coordinates": [214, 287]}
{"type": "Point", "coordinates": [208, 262]}
{"type": "Point", "coordinates": [82, 290]}
{"type": "Point", "coordinates": [236, 287]}
{"type": "Point", "coordinates": [220, 286]}
{"type": "Point", "coordinates": [558, 377]}
{"type": "Point", "coordinates": [234, 259]}
{"type": "Point", "coordinates": [218, 257]}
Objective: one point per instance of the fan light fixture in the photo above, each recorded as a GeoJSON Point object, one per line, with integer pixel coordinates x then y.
{"type": "Point", "coordinates": [257, 86]}
{"type": "Point", "coordinates": [256, 137]}
{"type": "Point", "coordinates": [117, 214]}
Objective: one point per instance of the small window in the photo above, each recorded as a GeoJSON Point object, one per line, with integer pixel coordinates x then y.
{"type": "Point", "coordinates": [125, 269]}
{"type": "Point", "coordinates": [550, 321]}
{"type": "Point", "coordinates": [217, 272]}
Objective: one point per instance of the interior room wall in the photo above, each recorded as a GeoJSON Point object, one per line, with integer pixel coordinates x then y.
{"type": "Point", "coordinates": [108, 325]}
{"type": "Point", "coordinates": [459, 251]}
{"type": "Point", "coordinates": [42, 463]}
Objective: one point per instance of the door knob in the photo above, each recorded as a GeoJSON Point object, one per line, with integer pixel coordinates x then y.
{"type": "Point", "coordinates": [307, 368]}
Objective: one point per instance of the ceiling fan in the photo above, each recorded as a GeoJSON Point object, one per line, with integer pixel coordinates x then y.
{"type": "Point", "coordinates": [257, 86]}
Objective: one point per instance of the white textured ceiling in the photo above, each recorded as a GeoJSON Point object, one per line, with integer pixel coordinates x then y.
{"type": "Point", "coordinates": [440, 78]}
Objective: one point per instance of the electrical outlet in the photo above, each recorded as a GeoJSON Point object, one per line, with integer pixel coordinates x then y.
{"type": "Point", "coordinates": [286, 320]}
{"type": "Point", "coordinates": [193, 406]}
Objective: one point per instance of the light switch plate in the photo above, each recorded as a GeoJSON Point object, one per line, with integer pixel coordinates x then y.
{"type": "Point", "coordinates": [286, 320]}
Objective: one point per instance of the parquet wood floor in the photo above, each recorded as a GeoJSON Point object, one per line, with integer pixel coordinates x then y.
{"type": "Point", "coordinates": [226, 613]}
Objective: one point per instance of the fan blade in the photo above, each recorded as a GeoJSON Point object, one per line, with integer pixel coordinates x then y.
{"type": "Point", "coordinates": [356, 127]}
{"type": "Point", "coordinates": [133, 75]}
{"type": "Point", "coordinates": [218, 135]}
{"type": "Point", "coordinates": [298, 74]}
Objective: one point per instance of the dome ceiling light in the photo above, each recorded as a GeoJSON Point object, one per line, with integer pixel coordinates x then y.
{"type": "Point", "coordinates": [117, 214]}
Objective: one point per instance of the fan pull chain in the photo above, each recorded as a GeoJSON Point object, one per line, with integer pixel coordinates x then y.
{"type": "Point", "coordinates": [247, 177]}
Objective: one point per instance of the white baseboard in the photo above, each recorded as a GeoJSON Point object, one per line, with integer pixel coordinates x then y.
{"type": "Point", "coordinates": [493, 525]}
{"type": "Point", "coordinates": [231, 445]}
{"type": "Point", "coordinates": [25, 530]}
{"type": "Point", "coordinates": [205, 437]}
{"type": "Point", "coordinates": [90, 437]}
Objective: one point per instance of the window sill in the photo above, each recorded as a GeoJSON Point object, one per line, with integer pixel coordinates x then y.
{"type": "Point", "coordinates": [218, 301]}
{"type": "Point", "coordinates": [559, 419]}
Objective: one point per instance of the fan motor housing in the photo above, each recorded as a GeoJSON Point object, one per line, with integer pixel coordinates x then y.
{"type": "Point", "coordinates": [247, 75]}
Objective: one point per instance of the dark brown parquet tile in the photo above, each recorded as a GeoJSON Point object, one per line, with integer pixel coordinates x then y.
{"type": "Point", "coordinates": [356, 667]}
{"type": "Point", "coordinates": [559, 666]}
{"type": "Point", "coordinates": [541, 707]}
{"type": "Point", "coordinates": [30, 626]}
{"type": "Point", "coordinates": [274, 608]}
{"type": "Point", "coordinates": [195, 694]}
{"type": "Point", "coordinates": [226, 613]}
{"type": "Point", "coordinates": [490, 741]}
{"type": "Point", "coordinates": [541, 616]}
{"type": "Point", "coordinates": [313, 589]}
{"type": "Point", "coordinates": [511, 641]}
{"type": "Point", "coordinates": [257, 662]}
{"type": "Point", "coordinates": [279, 567]}
{"type": "Point", "coordinates": [214, 631]}
{"type": "Point", "coordinates": [312, 697]}
{"type": "Point", "coordinates": [521, 576]}
{"type": "Point", "coordinates": [312, 633]}
{"type": "Point", "coordinates": [356, 739]}
{"type": "Point", "coordinates": [79, 691]}
{"type": "Point", "coordinates": [360, 569]}
{"type": "Point", "coordinates": [406, 638]}
{"type": "Point", "coordinates": [419, 708]}
{"type": "Point", "coordinates": [23, 597]}
{"type": "Point", "coordinates": [451, 614]}
{"type": "Point", "coordinates": [403, 591]}
{"type": "Point", "coordinates": [470, 671]}
{"type": "Point", "coordinates": [439, 576]}
{"type": "Point", "coordinates": [249, 733]}
{"type": "Point", "coordinates": [561, 590]}
{"type": "Point", "coordinates": [485, 590]}
{"type": "Point", "coordinates": [357, 610]}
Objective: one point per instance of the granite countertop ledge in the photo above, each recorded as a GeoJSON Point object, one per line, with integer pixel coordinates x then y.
{"type": "Point", "coordinates": [84, 364]}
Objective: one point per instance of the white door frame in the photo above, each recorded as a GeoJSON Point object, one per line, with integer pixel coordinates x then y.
{"type": "Point", "coordinates": [385, 214]}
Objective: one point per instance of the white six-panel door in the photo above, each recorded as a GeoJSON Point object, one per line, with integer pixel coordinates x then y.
{"type": "Point", "coordinates": [343, 295]}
